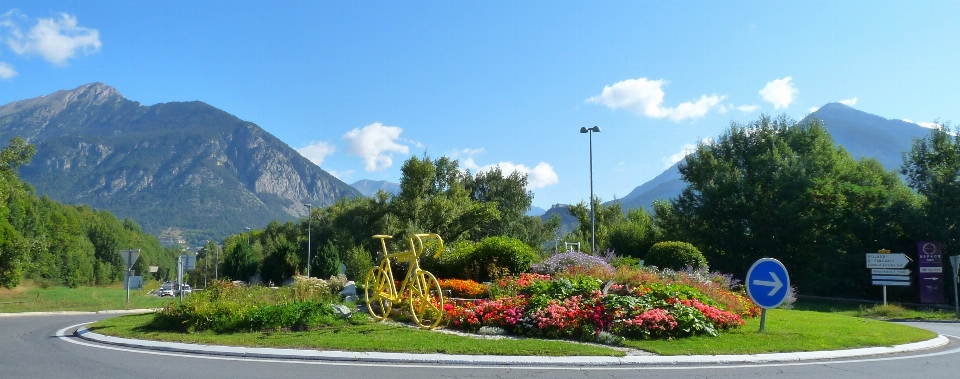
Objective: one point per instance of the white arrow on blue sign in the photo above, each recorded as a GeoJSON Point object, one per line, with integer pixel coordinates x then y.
{"type": "Point", "coordinates": [768, 283]}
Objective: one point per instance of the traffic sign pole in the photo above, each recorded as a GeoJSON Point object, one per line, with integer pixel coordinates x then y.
{"type": "Point", "coordinates": [768, 284]}
{"type": "Point", "coordinates": [887, 270]}
{"type": "Point", "coordinates": [955, 265]}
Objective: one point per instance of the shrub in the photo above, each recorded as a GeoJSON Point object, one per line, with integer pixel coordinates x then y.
{"type": "Point", "coordinates": [675, 255]}
{"type": "Point", "coordinates": [452, 262]}
{"type": "Point", "coordinates": [495, 257]}
{"type": "Point", "coordinates": [224, 307]}
{"type": "Point", "coordinates": [358, 261]}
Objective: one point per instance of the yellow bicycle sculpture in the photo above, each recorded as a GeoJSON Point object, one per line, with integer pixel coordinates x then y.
{"type": "Point", "coordinates": [421, 288]}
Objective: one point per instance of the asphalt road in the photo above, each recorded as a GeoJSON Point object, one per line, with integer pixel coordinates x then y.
{"type": "Point", "coordinates": [30, 348]}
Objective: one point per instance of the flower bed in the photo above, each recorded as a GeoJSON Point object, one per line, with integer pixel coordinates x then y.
{"type": "Point", "coordinates": [466, 289]}
{"type": "Point", "coordinates": [573, 306]}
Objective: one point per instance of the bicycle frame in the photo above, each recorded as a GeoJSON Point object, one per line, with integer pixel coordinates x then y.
{"type": "Point", "coordinates": [425, 298]}
{"type": "Point", "coordinates": [412, 256]}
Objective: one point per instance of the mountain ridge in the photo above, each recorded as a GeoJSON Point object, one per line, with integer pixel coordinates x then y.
{"type": "Point", "coordinates": [184, 166]}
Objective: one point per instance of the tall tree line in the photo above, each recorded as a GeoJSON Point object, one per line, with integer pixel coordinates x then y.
{"type": "Point", "coordinates": [436, 196]}
{"type": "Point", "coordinates": [42, 239]}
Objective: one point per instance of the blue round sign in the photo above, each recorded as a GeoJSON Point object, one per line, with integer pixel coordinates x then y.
{"type": "Point", "coordinates": [768, 283]}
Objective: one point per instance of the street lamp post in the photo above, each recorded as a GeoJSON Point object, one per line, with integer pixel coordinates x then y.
{"type": "Point", "coordinates": [309, 217]}
{"type": "Point", "coordinates": [593, 228]}
{"type": "Point", "coordinates": [248, 234]}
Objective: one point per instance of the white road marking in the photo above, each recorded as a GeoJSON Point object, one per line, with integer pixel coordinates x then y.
{"type": "Point", "coordinates": [61, 334]}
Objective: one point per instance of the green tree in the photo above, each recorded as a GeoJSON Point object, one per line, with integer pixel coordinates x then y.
{"type": "Point", "coordinates": [776, 188]}
{"type": "Point", "coordinates": [281, 261]}
{"type": "Point", "coordinates": [14, 249]}
{"type": "Point", "coordinates": [240, 263]}
{"type": "Point", "coordinates": [606, 217]}
{"type": "Point", "coordinates": [635, 235]}
{"type": "Point", "coordinates": [433, 198]}
{"type": "Point", "coordinates": [932, 168]}
{"type": "Point", "coordinates": [326, 262]}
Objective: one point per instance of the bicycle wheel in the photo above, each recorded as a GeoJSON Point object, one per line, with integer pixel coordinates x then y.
{"type": "Point", "coordinates": [377, 293]}
{"type": "Point", "coordinates": [426, 300]}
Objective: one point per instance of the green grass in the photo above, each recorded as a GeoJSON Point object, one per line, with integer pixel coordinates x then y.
{"type": "Point", "coordinates": [30, 298]}
{"type": "Point", "coordinates": [878, 311]}
{"type": "Point", "coordinates": [785, 331]}
{"type": "Point", "coordinates": [793, 331]}
{"type": "Point", "coordinates": [379, 337]}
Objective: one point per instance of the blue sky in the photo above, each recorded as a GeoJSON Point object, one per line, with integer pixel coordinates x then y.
{"type": "Point", "coordinates": [359, 86]}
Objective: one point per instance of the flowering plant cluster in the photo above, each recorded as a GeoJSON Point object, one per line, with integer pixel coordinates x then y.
{"type": "Point", "coordinates": [576, 308]}
{"type": "Point", "coordinates": [560, 262]}
{"type": "Point", "coordinates": [467, 289]}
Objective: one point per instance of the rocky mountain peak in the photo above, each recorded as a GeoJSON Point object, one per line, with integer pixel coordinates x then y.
{"type": "Point", "coordinates": [54, 103]}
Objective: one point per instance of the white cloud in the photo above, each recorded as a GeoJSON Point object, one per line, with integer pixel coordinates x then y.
{"type": "Point", "coordinates": [811, 110]}
{"type": "Point", "coordinates": [779, 92]}
{"type": "Point", "coordinates": [849, 102]}
{"type": "Point", "coordinates": [748, 108]}
{"type": "Point", "coordinates": [537, 177]}
{"type": "Point", "coordinates": [7, 71]}
{"type": "Point", "coordinates": [465, 157]}
{"type": "Point", "coordinates": [55, 39]}
{"type": "Point", "coordinates": [375, 144]}
{"type": "Point", "coordinates": [645, 97]}
{"type": "Point", "coordinates": [671, 160]}
{"type": "Point", "coordinates": [317, 151]}
{"type": "Point", "coordinates": [722, 109]}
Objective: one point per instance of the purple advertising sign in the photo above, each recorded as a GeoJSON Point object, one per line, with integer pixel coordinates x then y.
{"type": "Point", "coordinates": [931, 272]}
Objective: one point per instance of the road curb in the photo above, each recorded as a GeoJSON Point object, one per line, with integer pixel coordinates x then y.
{"type": "Point", "coordinates": [373, 357]}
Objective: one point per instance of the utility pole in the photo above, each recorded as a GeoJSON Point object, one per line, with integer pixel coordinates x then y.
{"type": "Point", "coordinates": [309, 218]}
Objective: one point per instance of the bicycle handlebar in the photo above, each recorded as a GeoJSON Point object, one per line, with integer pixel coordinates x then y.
{"type": "Point", "coordinates": [413, 247]}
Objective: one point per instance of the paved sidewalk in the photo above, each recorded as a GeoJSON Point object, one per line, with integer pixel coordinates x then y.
{"type": "Point", "coordinates": [346, 356]}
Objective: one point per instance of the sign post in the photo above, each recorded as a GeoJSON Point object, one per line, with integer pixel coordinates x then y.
{"type": "Point", "coordinates": [955, 265]}
{"type": "Point", "coordinates": [931, 272]}
{"type": "Point", "coordinates": [767, 285]}
{"type": "Point", "coordinates": [185, 262]}
{"type": "Point", "coordinates": [129, 258]}
{"type": "Point", "coordinates": [887, 270]}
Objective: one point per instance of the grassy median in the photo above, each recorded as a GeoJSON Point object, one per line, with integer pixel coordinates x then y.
{"type": "Point", "coordinates": [785, 331]}
{"type": "Point", "coordinates": [32, 298]}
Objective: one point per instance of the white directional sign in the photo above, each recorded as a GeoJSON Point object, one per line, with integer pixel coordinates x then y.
{"type": "Point", "coordinates": [931, 269]}
{"type": "Point", "coordinates": [890, 283]}
{"type": "Point", "coordinates": [890, 277]}
{"type": "Point", "coordinates": [885, 271]}
{"type": "Point", "coordinates": [887, 260]}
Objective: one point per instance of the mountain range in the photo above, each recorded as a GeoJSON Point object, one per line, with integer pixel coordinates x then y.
{"type": "Point", "coordinates": [369, 187]}
{"type": "Point", "coordinates": [860, 133]}
{"type": "Point", "coordinates": [189, 171]}
{"type": "Point", "coordinates": [182, 170]}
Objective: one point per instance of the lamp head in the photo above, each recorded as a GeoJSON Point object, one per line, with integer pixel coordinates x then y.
{"type": "Point", "coordinates": [595, 129]}
{"type": "Point", "coordinates": [583, 129]}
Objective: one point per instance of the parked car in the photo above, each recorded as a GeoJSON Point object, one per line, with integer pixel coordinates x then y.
{"type": "Point", "coordinates": [186, 289]}
{"type": "Point", "coordinates": [166, 289]}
